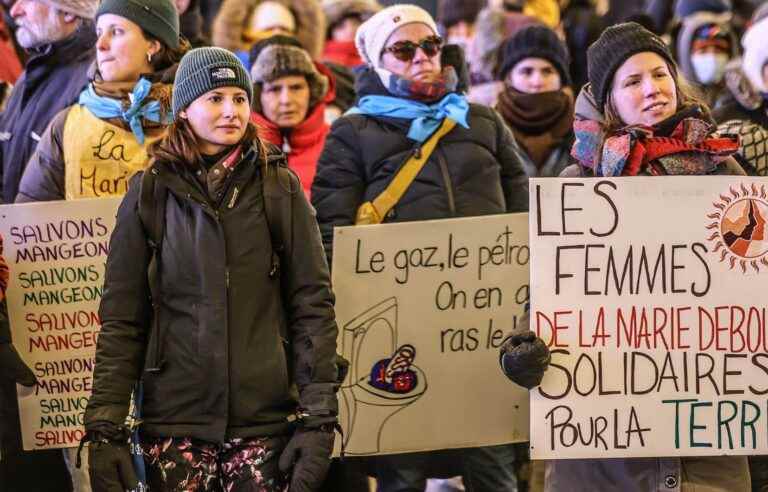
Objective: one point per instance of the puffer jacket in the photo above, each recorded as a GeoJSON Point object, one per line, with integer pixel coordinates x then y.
{"type": "Point", "coordinates": [51, 81]}
{"type": "Point", "coordinates": [667, 474]}
{"type": "Point", "coordinates": [237, 343]}
{"type": "Point", "coordinates": [475, 171]}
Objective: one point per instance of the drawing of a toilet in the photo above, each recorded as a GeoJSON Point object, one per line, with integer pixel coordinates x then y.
{"type": "Point", "coordinates": [367, 342]}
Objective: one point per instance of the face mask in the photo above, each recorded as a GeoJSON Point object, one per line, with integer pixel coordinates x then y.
{"type": "Point", "coordinates": [709, 67]}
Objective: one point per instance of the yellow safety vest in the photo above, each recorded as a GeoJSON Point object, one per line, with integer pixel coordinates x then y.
{"type": "Point", "coordinates": [99, 158]}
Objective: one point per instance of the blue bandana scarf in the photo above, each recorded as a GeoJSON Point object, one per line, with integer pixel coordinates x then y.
{"type": "Point", "coordinates": [426, 117]}
{"type": "Point", "coordinates": [107, 107]}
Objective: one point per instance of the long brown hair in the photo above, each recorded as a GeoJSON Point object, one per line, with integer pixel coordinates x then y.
{"type": "Point", "coordinates": [181, 146]}
{"type": "Point", "coordinates": [162, 63]}
{"type": "Point", "coordinates": [687, 96]}
{"type": "Point", "coordinates": [167, 56]}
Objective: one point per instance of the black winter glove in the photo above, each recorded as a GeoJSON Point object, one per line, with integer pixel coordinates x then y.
{"type": "Point", "coordinates": [523, 356]}
{"type": "Point", "coordinates": [308, 456]}
{"type": "Point", "coordinates": [12, 368]}
{"type": "Point", "coordinates": [109, 458]}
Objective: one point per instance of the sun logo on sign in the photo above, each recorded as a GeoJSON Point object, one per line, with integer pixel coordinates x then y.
{"type": "Point", "coordinates": [739, 229]}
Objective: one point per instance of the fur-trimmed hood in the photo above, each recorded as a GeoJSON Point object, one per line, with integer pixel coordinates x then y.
{"type": "Point", "coordinates": [233, 15]}
{"type": "Point", "coordinates": [493, 26]}
{"type": "Point", "coordinates": [335, 10]}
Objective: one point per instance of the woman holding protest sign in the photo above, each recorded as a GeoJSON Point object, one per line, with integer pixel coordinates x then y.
{"type": "Point", "coordinates": [463, 162]}
{"type": "Point", "coordinates": [92, 148]}
{"type": "Point", "coordinates": [217, 297]}
{"type": "Point", "coordinates": [635, 94]}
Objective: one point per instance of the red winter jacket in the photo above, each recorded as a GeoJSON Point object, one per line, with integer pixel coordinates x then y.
{"type": "Point", "coordinates": [10, 66]}
{"type": "Point", "coordinates": [342, 52]}
{"type": "Point", "coordinates": [306, 140]}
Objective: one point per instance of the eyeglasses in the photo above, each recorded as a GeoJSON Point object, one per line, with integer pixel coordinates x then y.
{"type": "Point", "coordinates": [406, 50]}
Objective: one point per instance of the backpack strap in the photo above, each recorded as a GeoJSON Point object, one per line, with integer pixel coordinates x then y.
{"type": "Point", "coordinates": [278, 184]}
{"type": "Point", "coordinates": [152, 198]}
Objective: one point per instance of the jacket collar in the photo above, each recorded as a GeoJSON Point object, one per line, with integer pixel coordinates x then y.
{"type": "Point", "coordinates": [180, 181]}
{"type": "Point", "coordinates": [303, 135]}
{"type": "Point", "coordinates": [78, 45]}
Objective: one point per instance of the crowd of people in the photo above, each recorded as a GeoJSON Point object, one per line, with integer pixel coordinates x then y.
{"type": "Point", "coordinates": [240, 133]}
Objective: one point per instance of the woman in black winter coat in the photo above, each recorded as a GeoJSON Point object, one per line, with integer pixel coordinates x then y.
{"type": "Point", "coordinates": [404, 94]}
{"type": "Point", "coordinates": [635, 92]}
{"type": "Point", "coordinates": [224, 315]}
{"type": "Point", "coordinates": [476, 169]}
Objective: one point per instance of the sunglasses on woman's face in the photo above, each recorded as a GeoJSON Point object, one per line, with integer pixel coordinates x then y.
{"type": "Point", "coordinates": [406, 50]}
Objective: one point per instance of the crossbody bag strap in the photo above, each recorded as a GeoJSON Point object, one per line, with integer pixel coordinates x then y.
{"type": "Point", "coordinates": [375, 211]}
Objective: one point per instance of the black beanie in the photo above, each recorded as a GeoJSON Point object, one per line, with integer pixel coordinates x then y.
{"type": "Point", "coordinates": [534, 42]}
{"type": "Point", "coordinates": [205, 69]}
{"type": "Point", "coordinates": [451, 12]}
{"type": "Point", "coordinates": [158, 18]}
{"type": "Point", "coordinates": [611, 50]}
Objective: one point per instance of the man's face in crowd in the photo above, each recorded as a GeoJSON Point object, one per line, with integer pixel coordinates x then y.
{"type": "Point", "coordinates": [39, 24]}
{"type": "Point", "coordinates": [534, 75]}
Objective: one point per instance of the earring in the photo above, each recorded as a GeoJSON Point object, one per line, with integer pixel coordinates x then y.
{"type": "Point", "coordinates": [149, 57]}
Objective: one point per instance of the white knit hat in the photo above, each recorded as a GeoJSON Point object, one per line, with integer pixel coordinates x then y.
{"type": "Point", "coordinates": [755, 42]}
{"type": "Point", "coordinates": [372, 35]}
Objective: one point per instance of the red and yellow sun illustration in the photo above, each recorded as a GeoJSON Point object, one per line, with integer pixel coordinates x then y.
{"type": "Point", "coordinates": [739, 228]}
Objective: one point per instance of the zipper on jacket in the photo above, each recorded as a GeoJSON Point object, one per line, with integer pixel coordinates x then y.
{"type": "Point", "coordinates": [233, 200]}
{"type": "Point", "coordinates": [447, 182]}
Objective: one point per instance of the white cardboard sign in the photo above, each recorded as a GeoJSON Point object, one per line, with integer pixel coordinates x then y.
{"type": "Point", "coordinates": [56, 253]}
{"type": "Point", "coordinates": [422, 309]}
{"type": "Point", "coordinates": [651, 294]}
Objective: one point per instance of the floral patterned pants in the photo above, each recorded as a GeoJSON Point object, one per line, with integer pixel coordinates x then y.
{"type": "Point", "coordinates": [190, 465]}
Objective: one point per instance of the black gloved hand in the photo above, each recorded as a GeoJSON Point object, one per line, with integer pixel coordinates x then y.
{"type": "Point", "coordinates": [523, 356]}
{"type": "Point", "coordinates": [12, 368]}
{"type": "Point", "coordinates": [308, 457]}
{"type": "Point", "coordinates": [110, 464]}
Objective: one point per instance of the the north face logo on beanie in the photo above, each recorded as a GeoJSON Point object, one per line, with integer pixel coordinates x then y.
{"type": "Point", "coordinates": [223, 73]}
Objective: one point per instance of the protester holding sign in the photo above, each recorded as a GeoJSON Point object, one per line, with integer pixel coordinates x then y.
{"type": "Point", "coordinates": [407, 102]}
{"type": "Point", "coordinates": [91, 149]}
{"type": "Point", "coordinates": [634, 95]}
{"type": "Point", "coordinates": [237, 323]}
{"type": "Point", "coordinates": [537, 101]}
